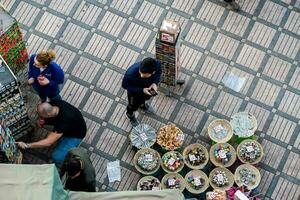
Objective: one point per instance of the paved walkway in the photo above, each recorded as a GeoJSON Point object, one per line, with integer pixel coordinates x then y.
{"type": "Point", "coordinates": [96, 40]}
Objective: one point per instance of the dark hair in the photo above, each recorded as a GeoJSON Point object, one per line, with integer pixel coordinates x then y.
{"type": "Point", "coordinates": [74, 165]}
{"type": "Point", "coordinates": [148, 65]}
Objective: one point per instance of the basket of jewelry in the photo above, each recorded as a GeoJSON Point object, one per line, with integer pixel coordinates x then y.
{"type": "Point", "coordinates": [247, 175]}
{"type": "Point", "coordinates": [195, 156]}
{"type": "Point", "coordinates": [221, 178]}
{"type": "Point", "coordinates": [147, 161]}
{"type": "Point", "coordinates": [148, 183]}
{"type": "Point", "coordinates": [196, 181]}
{"type": "Point", "coordinates": [244, 124]}
{"type": "Point", "coordinates": [170, 137]}
{"type": "Point", "coordinates": [142, 136]}
{"type": "Point", "coordinates": [220, 131]}
{"type": "Point", "coordinates": [250, 151]}
{"type": "Point", "coordinates": [222, 155]}
{"type": "Point", "coordinates": [173, 181]}
{"type": "Point", "coordinates": [172, 161]}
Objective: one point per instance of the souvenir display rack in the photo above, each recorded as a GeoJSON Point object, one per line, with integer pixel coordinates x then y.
{"type": "Point", "coordinates": [12, 108]}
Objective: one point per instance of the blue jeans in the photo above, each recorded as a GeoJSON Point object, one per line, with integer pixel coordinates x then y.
{"type": "Point", "coordinates": [63, 146]}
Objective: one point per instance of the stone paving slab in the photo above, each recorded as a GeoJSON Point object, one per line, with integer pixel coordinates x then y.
{"type": "Point", "coordinates": [96, 41]}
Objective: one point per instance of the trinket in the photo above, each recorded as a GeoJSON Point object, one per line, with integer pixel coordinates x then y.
{"type": "Point", "coordinates": [247, 176]}
{"type": "Point", "coordinates": [149, 184]}
{"type": "Point", "coordinates": [250, 151]}
{"type": "Point", "coordinates": [172, 161]}
{"type": "Point", "coordinates": [170, 137]}
{"type": "Point", "coordinates": [173, 183]}
{"type": "Point", "coordinates": [142, 136]}
{"type": "Point", "coordinates": [220, 178]}
{"type": "Point", "coordinates": [222, 153]}
{"type": "Point", "coordinates": [196, 156]}
{"type": "Point", "coordinates": [196, 182]}
{"type": "Point", "coordinates": [244, 124]}
{"type": "Point", "coordinates": [148, 160]}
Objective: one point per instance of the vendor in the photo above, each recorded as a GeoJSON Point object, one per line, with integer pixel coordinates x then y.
{"type": "Point", "coordinates": [80, 172]}
{"type": "Point", "coordinates": [69, 128]}
{"type": "Point", "coordinates": [45, 75]}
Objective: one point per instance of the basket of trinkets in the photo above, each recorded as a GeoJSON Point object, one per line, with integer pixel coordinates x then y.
{"type": "Point", "coordinates": [195, 156]}
{"type": "Point", "coordinates": [170, 137]}
{"type": "Point", "coordinates": [142, 136]}
{"type": "Point", "coordinates": [221, 178]}
{"type": "Point", "coordinates": [172, 161]}
{"type": "Point", "coordinates": [173, 181]}
{"type": "Point", "coordinates": [147, 161]}
{"type": "Point", "coordinates": [244, 124]}
{"type": "Point", "coordinates": [148, 183]}
{"type": "Point", "coordinates": [250, 151]}
{"type": "Point", "coordinates": [220, 131]}
{"type": "Point", "coordinates": [247, 175]}
{"type": "Point", "coordinates": [222, 155]}
{"type": "Point", "coordinates": [196, 181]}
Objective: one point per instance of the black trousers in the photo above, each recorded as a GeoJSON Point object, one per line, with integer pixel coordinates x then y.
{"type": "Point", "coordinates": [135, 101]}
{"type": "Point", "coordinates": [228, 1]}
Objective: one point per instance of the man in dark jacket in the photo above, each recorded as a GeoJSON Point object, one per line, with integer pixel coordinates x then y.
{"type": "Point", "coordinates": [233, 5]}
{"type": "Point", "coordinates": [140, 81]}
{"type": "Point", "coordinates": [81, 174]}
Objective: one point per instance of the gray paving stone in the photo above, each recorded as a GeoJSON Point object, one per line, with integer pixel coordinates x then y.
{"type": "Point", "coordinates": [86, 69]}
{"type": "Point", "coordinates": [227, 104]}
{"type": "Point", "coordinates": [49, 24]}
{"type": "Point", "coordinates": [73, 92]}
{"type": "Point", "coordinates": [199, 35]}
{"type": "Point", "coordinates": [92, 130]}
{"type": "Point", "coordinates": [292, 166]}
{"type": "Point", "coordinates": [124, 6]}
{"type": "Point", "coordinates": [87, 13]}
{"type": "Point", "coordinates": [236, 23]}
{"type": "Point", "coordinates": [185, 6]}
{"type": "Point", "coordinates": [277, 68]}
{"type": "Point", "coordinates": [36, 44]}
{"type": "Point", "coordinates": [64, 57]}
{"type": "Point", "coordinates": [149, 13]}
{"type": "Point", "coordinates": [77, 36]}
{"type": "Point", "coordinates": [260, 113]}
{"type": "Point", "coordinates": [266, 92]}
{"type": "Point", "coordinates": [135, 30]}
{"type": "Point", "coordinates": [25, 9]}
{"type": "Point", "coordinates": [164, 105]}
{"type": "Point", "coordinates": [281, 128]}
{"type": "Point", "coordinates": [210, 13]}
{"type": "Point", "coordinates": [261, 34]}
{"type": "Point", "coordinates": [266, 180]}
{"type": "Point", "coordinates": [287, 45]}
{"type": "Point", "coordinates": [250, 57]}
{"type": "Point", "coordinates": [189, 57]}
{"type": "Point", "coordinates": [119, 119]}
{"type": "Point", "coordinates": [292, 23]}
{"type": "Point", "coordinates": [112, 23]}
{"type": "Point", "coordinates": [98, 105]}
{"type": "Point", "coordinates": [295, 81]}
{"type": "Point", "coordinates": [110, 81]}
{"type": "Point", "coordinates": [63, 6]}
{"type": "Point", "coordinates": [249, 6]}
{"type": "Point", "coordinates": [99, 46]}
{"type": "Point", "coordinates": [7, 4]}
{"type": "Point", "coordinates": [272, 12]}
{"type": "Point", "coordinates": [124, 57]}
{"type": "Point", "coordinates": [274, 152]}
{"type": "Point", "coordinates": [225, 46]}
{"type": "Point", "coordinates": [290, 105]}
{"type": "Point", "coordinates": [286, 190]}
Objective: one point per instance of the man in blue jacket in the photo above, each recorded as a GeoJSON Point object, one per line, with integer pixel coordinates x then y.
{"type": "Point", "coordinates": [140, 81]}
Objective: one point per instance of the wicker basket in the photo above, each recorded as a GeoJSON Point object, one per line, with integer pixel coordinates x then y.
{"type": "Point", "coordinates": [247, 162]}
{"type": "Point", "coordinates": [226, 124]}
{"type": "Point", "coordinates": [253, 169]}
{"type": "Point", "coordinates": [186, 158]}
{"type": "Point", "coordinates": [173, 139]}
{"type": "Point", "coordinates": [178, 169]}
{"type": "Point", "coordinates": [218, 163]}
{"type": "Point", "coordinates": [228, 174]}
{"type": "Point", "coordinates": [250, 131]}
{"type": "Point", "coordinates": [145, 178]}
{"type": "Point", "coordinates": [141, 170]}
{"type": "Point", "coordinates": [196, 173]}
{"type": "Point", "coordinates": [171, 175]}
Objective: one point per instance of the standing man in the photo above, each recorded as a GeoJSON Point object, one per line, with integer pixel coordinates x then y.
{"type": "Point", "coordinates": [233, 5]}
{"type": "Point", "coordinates": [141, 82]}
{"type": "Point", "coordinates": [69, 129]}
{"type": "Point", "coordinates": [81, 174]}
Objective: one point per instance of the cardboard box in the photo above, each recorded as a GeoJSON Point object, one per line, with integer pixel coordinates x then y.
{"type": "Point", "coordinates": [169, 31]}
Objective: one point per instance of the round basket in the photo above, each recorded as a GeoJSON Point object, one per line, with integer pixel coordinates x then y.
{"type": "Point", "coordinates": [219, 163]}
{"type": "Point", "coordinates": [142, 136]}
{"type": "Point", "coordinates": [167, 179]}
{"type": "Point", "coordinates": [149, 180]}
{"type": "Point", "coordinates": [170, 137]}
{"type": "Point", "coordinates": [167, 161]}
{"type": "Point", "coordinates": [253, 170]}
{"type": "Point", "coordinates": [228, 174]}
{"type": "Point", "coordinates": [244, 124]}
{"type": "Point", "coordinates": [217, 131]}
{"type": "Point", "coordinates": [241, 148]}
{"type": "Point", "coordinates": [196, 175]}
{"type": "Point", "coordinates": [189, 159]}
{"type": "Point", "coordinates": [148, 157]}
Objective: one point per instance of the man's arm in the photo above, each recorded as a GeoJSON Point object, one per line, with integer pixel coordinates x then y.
{"type": "Point", "coordinates": [48, 141]}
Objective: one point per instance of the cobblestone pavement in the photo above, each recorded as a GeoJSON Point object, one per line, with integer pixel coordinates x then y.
{"type": "Point", "coordinates": [96, 40]}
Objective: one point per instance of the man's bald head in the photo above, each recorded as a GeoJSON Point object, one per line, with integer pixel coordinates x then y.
{"type": "Point", "coordinates": [45, 109]}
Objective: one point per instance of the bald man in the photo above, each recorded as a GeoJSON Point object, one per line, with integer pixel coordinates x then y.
{"type": "Point", "coordinates": [69, 128]}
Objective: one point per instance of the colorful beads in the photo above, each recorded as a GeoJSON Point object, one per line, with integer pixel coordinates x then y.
{"type": "Point", "coordinates": [220, 178]}
{"type": "Point", "coordinates": [196, 156]}
{"type": "Point", "coordinates": [222, 153]}
{"type": "Point", "coordinates": [172, 161]}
